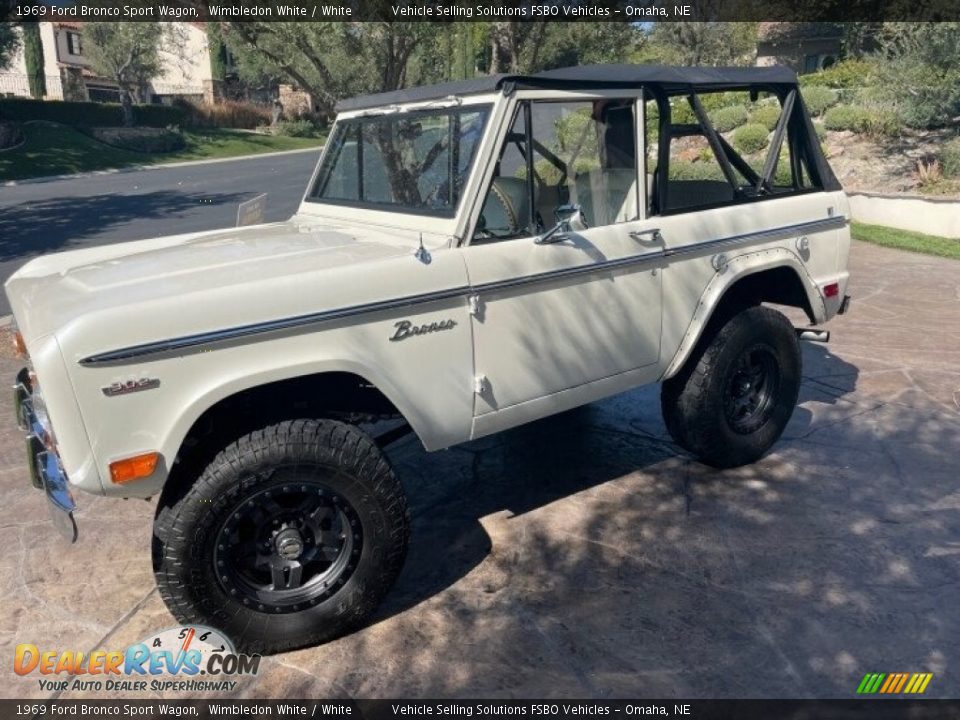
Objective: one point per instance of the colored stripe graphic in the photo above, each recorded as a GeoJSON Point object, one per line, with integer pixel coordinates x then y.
{"type": "Point", "coordinates": [894, 683]}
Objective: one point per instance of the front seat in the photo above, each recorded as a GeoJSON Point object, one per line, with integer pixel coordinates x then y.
{"type": "Point", "coordinates": [506, 212]}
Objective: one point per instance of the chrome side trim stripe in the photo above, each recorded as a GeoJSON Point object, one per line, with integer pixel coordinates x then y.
{"type": "Point", "coordinates": [191, 341]}
{"type": "Point", "coordinates": [830, 223]}
{"type": "Point", "coordinates": [588, 269]}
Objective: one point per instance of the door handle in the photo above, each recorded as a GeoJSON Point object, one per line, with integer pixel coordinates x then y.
{"type": "Point", "coordinates": [649, 235]}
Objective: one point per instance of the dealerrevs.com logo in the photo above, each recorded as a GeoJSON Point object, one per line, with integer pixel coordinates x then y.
{"type": "Point", "coordinates": [189, 659]}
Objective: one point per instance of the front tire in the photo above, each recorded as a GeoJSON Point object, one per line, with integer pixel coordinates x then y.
{"type": "Point", "coordinates": [734, 397]}
{"type": "Point", "coordinates": [292, 536]}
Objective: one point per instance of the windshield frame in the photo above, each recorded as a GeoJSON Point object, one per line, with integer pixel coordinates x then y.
{"type": "Point", "coordinates": [393, 112]}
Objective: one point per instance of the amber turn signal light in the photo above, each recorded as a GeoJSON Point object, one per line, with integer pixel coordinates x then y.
{"type": "Point", "coordinates": [19, 346]}
{"type": "Point", "coordinates": [134, 468]}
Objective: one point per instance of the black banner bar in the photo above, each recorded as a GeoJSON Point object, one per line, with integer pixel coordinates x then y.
{"type": "Point", "coordinates": [483, 10]}
{"type": "Point", "coordinates": [872, 709]}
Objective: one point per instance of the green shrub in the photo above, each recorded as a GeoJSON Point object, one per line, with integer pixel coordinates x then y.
{"type": "Point", "coordinates": [717, 100]}
{"type": "Point", "coordinates": [87, 113]}
{"type": "Point", "coordinates": [750, 138]}
{"type": "Point", "coordinates": [859, 119]}
{"type": "Point", "coordinates": [818, 99]}
{"type": "Point", "coordinates": [681, 113]}
{"type": "Point", "coordinates": [766, 115]}
{"type": "Point", "coordinates": [727, 118]}
{"type": "Point", "coordinates": [918, 72]}
{"type": "Point", "coordinates": [846, 117]}
{"type": "Point", "coordinates": [819, 130]}
{"type": "Point", "coordinates": [295, 128]}
{"type": "Point", "coordinates": [950, 158]}
{"type": "Point", "coordinates": [687, 170]}
{"type": "Point", "coordinates": [845, 74]}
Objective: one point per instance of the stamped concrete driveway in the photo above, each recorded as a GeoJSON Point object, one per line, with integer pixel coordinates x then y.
{"type": "Point", "coordinates": [585, 555]}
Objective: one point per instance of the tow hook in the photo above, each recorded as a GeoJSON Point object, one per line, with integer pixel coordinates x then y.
{"type": "Point", "coordinates": [821, 336]}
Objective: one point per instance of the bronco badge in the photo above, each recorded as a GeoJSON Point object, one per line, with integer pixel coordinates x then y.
{"type": "Point", "coordinates": [406, 329]}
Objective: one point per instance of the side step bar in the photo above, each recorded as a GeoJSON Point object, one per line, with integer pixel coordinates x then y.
{"type": "Point", "coordinates": [821, 336]}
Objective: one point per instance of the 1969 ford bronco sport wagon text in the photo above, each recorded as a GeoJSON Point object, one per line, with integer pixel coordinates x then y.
{"type": "Point", "coordinates": [468, 257]}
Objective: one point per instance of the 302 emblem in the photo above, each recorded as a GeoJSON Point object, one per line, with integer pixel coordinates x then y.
{"type": "Point", "coordinates": [126, 387]}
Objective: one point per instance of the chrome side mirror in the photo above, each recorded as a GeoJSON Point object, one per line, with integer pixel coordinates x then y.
{"type": "Point", "coordinates": [570, 219]}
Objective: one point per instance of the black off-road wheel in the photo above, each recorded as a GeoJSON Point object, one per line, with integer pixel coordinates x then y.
{"type": "Point", "coordinates": [735, 395]}
{"type": "Point", "coordinates": [291, 537]}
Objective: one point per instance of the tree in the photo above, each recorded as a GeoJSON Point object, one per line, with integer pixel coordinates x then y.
{"type": "Point", "coordinates": [335, 60]}
{"type": "Point", "coordinates": [332, 60]}
{"type": "Point", "coordinates": [9, 43]}
{"type": "Point", "coordinates": [128, 53]}
{"type": "Point", "coordinates": [704, 43]}
{"type": "Point", "coordinates": [33, 59]}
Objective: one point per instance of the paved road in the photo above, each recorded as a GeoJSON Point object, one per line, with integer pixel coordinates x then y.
{"type": "Point", "coordinates": [587, 556]}
{"type": "Point", "coordinates": [92, 210]}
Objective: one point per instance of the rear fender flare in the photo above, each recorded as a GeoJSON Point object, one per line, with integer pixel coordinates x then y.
{"type": "Point", "coordinates": [736, 269]}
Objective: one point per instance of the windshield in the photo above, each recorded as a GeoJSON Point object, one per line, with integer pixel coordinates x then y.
{"type": "Point", "coordinates": [408, 162]}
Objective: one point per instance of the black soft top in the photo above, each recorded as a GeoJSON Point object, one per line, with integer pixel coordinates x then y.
{"type": "Point", "coordinates": [587, 77]}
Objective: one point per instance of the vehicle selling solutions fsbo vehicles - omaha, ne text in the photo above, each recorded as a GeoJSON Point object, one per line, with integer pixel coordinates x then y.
{"type": "Point", "coordinates": [468, 257]}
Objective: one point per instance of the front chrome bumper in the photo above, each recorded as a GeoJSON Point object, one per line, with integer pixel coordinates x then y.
{"type": "Point", "coordinates": [45, 470]}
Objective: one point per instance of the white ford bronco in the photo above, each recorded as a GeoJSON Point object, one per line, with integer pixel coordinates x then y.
{"type": "Point", "coordinates": [468, 257]}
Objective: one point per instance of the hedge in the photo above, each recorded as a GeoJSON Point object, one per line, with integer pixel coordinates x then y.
{"type": "Point", "coordinates": [87, 113]}
{"type": "Point", "coordinates": [750, 138]}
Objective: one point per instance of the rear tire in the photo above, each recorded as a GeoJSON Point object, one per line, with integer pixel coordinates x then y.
{"type": "Point", "coordinates": [292, 536]}
{"type": "Point", "coordinates": [732, 400]}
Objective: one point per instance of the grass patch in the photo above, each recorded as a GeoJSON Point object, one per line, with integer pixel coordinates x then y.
{"type": "Point", "coordinates": [906, 240]}
{"type": "Point", "coordinates": [59, 150]}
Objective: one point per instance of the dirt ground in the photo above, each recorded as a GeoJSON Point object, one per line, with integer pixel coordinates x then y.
{"type": "Point", "coordinates": [586, 556]}
{"type": "Point", "coordinates": [864, 165]}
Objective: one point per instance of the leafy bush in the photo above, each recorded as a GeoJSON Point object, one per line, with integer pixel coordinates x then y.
{"type": "Point", "coordinates": [727, 118]}
{"type": "Point", "coordinates": [750, 138]}
{"type": "Point", "coordinates": [950, 158]}
{"type": "Point", "coordinates": [819, 130]}
{"type": "Point", "coordinates": [295, 128]}
{"type": "Point", "coordinates": [919, 72]}
{"type": "Point", "coordinates": [862, 119]}
{"type": "Point", "coordinates": [844, 74]}
{"type": "Point", "coordinates": [87, 113]}
{"type": "Point", "coordinates": [687, 170]}
{"type": "Point", "coordinates": [145, 140]}
{"type": "Point", "coordinates": [717, 100]}
{"type": "Point", "coordinates": [681, 113]}
{"type": "Point", "coordinates": [819, 98]}
{"type": "Point", "coordinates": [766, 115]}
{"type": "Point", "coordinates": [225, 114]}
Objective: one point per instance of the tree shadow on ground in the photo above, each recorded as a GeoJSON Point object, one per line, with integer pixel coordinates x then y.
{"type": "Point", "coordinates": [34, 228]}
{"type": "Point", "coordinates": [585, 555]}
